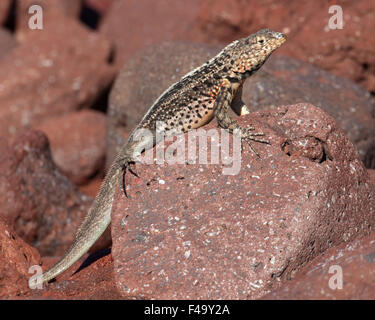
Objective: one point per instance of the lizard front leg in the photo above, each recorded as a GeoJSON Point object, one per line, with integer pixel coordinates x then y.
{"type": "Point", "coordinates": [221, 106]}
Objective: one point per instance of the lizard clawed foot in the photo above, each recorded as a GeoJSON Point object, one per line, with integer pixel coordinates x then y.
{"type": "Point", "coordinates": [126, 166]}
{"type": "Point", "coordinates": [248, 135]}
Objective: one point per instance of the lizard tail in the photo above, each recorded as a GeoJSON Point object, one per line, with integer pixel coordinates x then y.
{"type": "Point", "coordinates": [92, 227]}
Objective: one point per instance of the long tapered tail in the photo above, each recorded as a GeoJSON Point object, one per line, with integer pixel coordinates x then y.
{"type": "Point", "coordinates": [92, 227]}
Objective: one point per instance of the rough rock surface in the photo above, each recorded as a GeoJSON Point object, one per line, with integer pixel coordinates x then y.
{"type": "Point", "coordinates": [7, 42]}
{"type": "Point", "coordinates": [132, 25]}
{"type": "Point", "coordinates": [348, 52]}
{"type": "Point", "coordinates": [321, 279]}
{"type": "Point", "coordinates": [78, 143]}
{"type": "Point", "coordinates": [142, 80]}
{"type": "Point", "coordinates": [38, 201]}
{"type": "Point", "coordinates": [16, 257]}
{"type": "Point", "coordinates": [52, 73]}
{"type": "Point", "coordinates": [285, 80]}
{"type": "Point", "coordinates": [191, 232]}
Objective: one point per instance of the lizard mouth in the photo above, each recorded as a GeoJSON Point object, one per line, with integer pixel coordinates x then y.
{"type": "Point", "coordinates": [279, 39]}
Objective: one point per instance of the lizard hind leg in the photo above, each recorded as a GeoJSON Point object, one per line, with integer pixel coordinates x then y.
{"type": "Point", "coordinates": [126, 166]}
{"type": "Point", "coordinates": [129, 154]}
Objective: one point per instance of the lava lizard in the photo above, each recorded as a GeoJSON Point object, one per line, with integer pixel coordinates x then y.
{"type": "Point", "coordinates": [206, 92]}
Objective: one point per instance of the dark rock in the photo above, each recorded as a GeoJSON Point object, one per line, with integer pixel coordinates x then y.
{"type": "Point", "coordinates": [192, 232]}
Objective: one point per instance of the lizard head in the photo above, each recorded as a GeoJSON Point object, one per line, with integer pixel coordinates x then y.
{"type": "Point", "coordinates": [253, 51]}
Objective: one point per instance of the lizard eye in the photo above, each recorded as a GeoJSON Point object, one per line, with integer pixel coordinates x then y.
{"type": "Point", "coordinates": [261, 41]}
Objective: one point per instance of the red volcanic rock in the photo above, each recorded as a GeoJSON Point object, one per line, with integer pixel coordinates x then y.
{"type": "Point", "coordinates": [4, 10]}
{"type": "Point", "coordinates": [188, 231]}
{"type": "Point", "coordinates": [348, 52]}
{"type": "Point", "coordinates": [52, 73]}
{"type": "Point", "coordinates": [284, 80]}
{"type": "Point", "coordinates": [37, 200]}
{"type": "Point", "coordinates": [132, 25]}
{"type": "Point", "coordinates": [78, 143]}
{"type": "Point", "coordinates": [16, 257]}
{"type": "Point", "coordinates": [321, 278]}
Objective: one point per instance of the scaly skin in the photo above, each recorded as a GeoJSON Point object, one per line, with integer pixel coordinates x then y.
{"type": "Point", "coordinates": [202, 94]}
